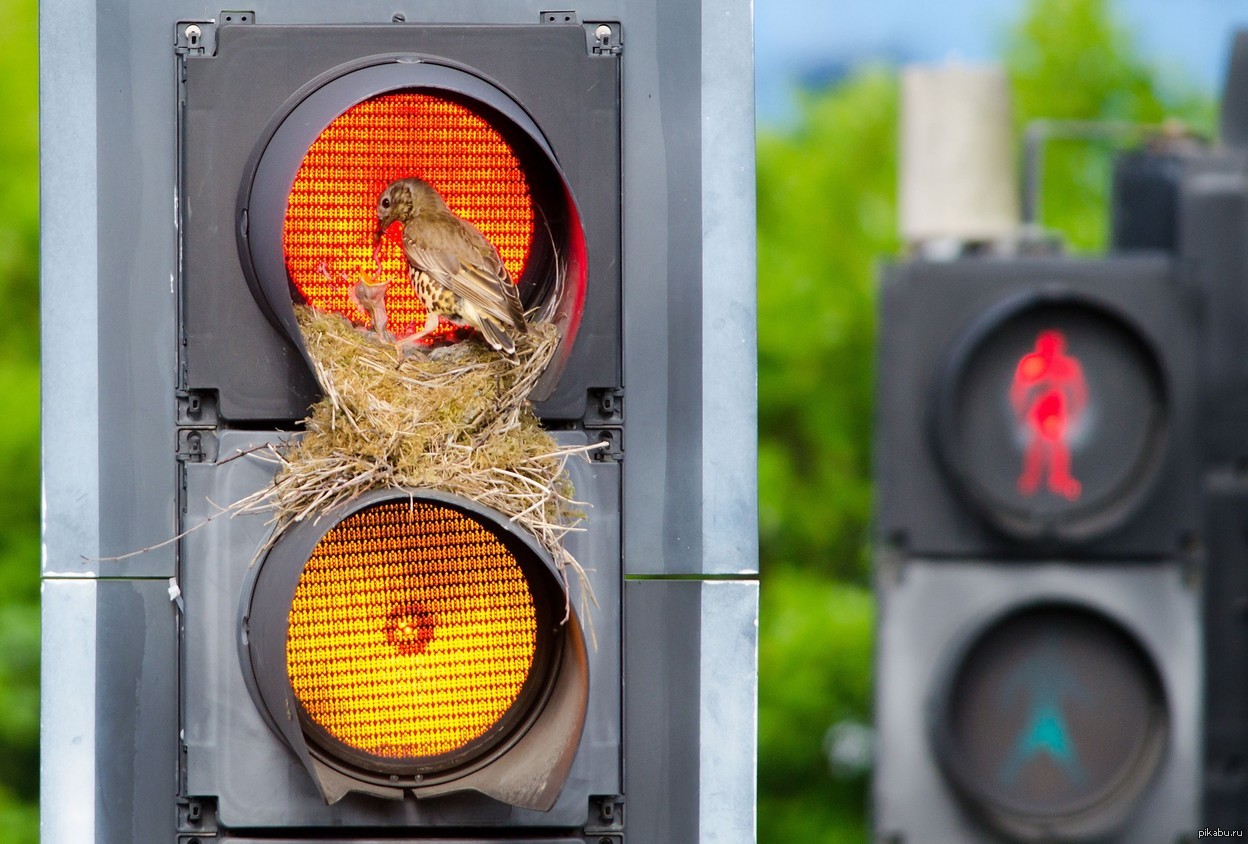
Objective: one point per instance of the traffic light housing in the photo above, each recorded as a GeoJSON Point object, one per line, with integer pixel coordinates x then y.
{"type": "Point", "coordinates": [1038, 526]}
{"type": "Point", "coordinates": [376, 642]}
{"type": "Point", "coordinates": [327, 113]}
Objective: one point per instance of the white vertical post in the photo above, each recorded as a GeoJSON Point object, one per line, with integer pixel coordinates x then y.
{"type": "Point", "coordinates": [958, 175]}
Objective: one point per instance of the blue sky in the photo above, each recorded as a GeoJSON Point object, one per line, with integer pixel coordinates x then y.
{"type": "Point", "coordinates": [817, 39]}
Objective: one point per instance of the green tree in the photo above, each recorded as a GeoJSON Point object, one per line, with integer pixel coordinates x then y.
{"type": "Point", "coordinates": [826, 209]}
{"type": "Point", "coordinates": [826, 216]}
{"type": "Point", "coordinates": [1071, 60]}
{"type": "Point", "coordinates": [826, 213]}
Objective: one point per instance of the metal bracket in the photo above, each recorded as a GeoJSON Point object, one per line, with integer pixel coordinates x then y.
{"type": "Point", "coordinates": [197, 820]}
{"type": "Point", "coordinates": [604, 420]}
{"type": "Point", "coordinates": [197, 420]}
{"type": "Point", "coordinates": [197, 409]}
{"type": "Point", "coordinates": [561, 16]}
{"type": "Point", "coordinates": [604, 407]}
{"type": "Point", "coordinates": [613, 451]}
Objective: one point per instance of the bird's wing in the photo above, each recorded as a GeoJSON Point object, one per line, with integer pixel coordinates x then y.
{"type": "Point", "coordinates": [457, 256]}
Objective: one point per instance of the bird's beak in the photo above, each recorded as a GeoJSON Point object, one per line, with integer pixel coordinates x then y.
{"type": "Point", "coordinates": [382, 224]}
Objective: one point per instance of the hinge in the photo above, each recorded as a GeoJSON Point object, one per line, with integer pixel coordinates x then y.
{"type": "Point", "coordinates": [195, 38]}
{"type": "Point", "coordinates": [606, 819]}
{"type": "Point", "coordinates": [197, 445]}
{"type": "Point", "coordinates": [604, 422]}
{"type": "Point", "coordinates": [607, 40]}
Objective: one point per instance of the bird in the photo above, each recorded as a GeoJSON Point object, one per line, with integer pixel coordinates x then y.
{"type": "Point", "coordinates": [453, 267]}
{"type": "Point", "coordinates": [369, 293]}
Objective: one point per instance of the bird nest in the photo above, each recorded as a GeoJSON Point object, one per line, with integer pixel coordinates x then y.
{"type": "Point", "coordinates": [456, 419]}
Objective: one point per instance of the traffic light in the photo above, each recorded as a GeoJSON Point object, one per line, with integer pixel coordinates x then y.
{"type": "Point", "coordinates": [409, 642]}
{"type": "Point", "coordinates": [1038, 529]}
{"type": "Point", "coordinates": [409, 661]}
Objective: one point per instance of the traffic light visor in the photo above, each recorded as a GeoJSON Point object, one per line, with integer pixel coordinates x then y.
{"type": "Point", "coordinates": [307, 205]}
{"type": "Point", "coordinates": [410, 640]}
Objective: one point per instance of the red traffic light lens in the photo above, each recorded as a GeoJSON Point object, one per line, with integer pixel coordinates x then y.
{"type": "Point", "coordinates": [327, 236]}
{"type": "Point", "coordinates": [307, 210]}
{"type": "Point", "coordinates": [1053, 418]}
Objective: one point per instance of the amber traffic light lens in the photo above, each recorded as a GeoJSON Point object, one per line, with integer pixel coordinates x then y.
{"type": "Point", "coordinates": [331, 213]}
{"type": "Point", "coordinates": [412, 636]}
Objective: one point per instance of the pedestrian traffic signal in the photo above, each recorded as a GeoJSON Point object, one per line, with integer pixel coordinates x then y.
{"type": "Point", "coordinates": [1082, 711]}
{"type": "Point", "coordinates": [1089, 448]}
{"type": "Point", "coordinates": [1038, 510]}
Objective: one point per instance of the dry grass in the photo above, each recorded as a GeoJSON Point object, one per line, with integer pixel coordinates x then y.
{"type": "Point", "coordinates": [456, 419]}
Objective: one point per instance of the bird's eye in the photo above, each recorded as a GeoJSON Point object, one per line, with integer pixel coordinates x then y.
{"type": "Point", "coordinates": [385, 202]}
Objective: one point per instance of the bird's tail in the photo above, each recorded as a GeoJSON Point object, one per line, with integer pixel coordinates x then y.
{"type": "Point", "coordinates": [496, 338]}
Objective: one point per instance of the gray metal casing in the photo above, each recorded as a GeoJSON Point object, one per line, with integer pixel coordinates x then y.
{"type": "Point", "coordinates": [111, 481]}
{"type": "Point", "coordinates": [932, 605]}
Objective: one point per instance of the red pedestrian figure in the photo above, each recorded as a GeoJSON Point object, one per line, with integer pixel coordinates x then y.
{"type": "Point", "coordinates": [1049, 395]}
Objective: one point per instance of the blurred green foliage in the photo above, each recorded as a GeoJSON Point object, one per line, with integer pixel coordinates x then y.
{"type": "Point", "coordinates": [826, 217]}
{"type": "Point", "coordinates": [1069, 60]}
{"type": "Point", "coordinates": [19, 431]}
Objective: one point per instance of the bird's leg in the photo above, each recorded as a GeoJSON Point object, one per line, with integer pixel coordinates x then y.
{"type": "Point", "coordinates": [323, 269]}
{"type": "Point", "coordinates": [431, 325]}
